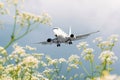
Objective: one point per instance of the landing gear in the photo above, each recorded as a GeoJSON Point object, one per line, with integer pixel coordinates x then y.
{"type": "Point", "coordinates": [70, 42]}
{"type": "Point", "coordinates": [58, 45]}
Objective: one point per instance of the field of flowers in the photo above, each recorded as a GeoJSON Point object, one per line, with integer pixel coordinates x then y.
{"type": "Point", "coordinates": [23, 63]}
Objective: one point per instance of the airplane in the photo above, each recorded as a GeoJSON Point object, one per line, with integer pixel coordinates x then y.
{"type": "Point", "coordinates": [62, 37]}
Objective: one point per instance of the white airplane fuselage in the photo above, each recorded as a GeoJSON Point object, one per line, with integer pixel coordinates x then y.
{"type": "Point", "coordinates": [60, 35]}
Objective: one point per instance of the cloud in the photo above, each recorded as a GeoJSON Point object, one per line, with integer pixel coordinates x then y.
{"type": "Point", "coordinates": [80, 14]}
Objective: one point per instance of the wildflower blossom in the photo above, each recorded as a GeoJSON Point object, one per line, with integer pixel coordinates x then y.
{"type": "Point", "coordinates": [18, 49]}
{"type": "Point", "coordinates": [82, 45]}
{"type": "Point", "coordinates": [41, 77]}
{"type": "Point", "coordinates": [98, 39]}
{"type": "Point", "coordinates": [3, 10]}
{"type": "Point", "coordinates": [47, 71]}
{"type": "Point", "coordinates": [39, 56]}
{"type": "Point", "coordinates": [30, 48]}
{"type": "Point", "coordinates": [1, 5]}
{"type": "Point", "coordinates": [53, 62]}
{"type": "Point", "coordinates": [5, 77]}
{"type": "Point", "coordinates": [43, 63]}
{"type": "Point", "coordinates": [74, 59]}
{"type": "Point", "coordinates": [108, 57]}
{"type": "Point", "coordinates": [113, 38]}
{"type": "Point", "coordinates": [49, 59]}
{"type": "Point", "coordinates": [87, 54]}
{"type": "Point", "coordinates": [1, 67]}
{"type": "Point", "coordinates": [14, 2]}
{"type": "Point", "coordinates": [61, 60]}
{"type": "Point", "coordinates": [88, 51]}
{"type": "Point", "coordinates": [30, 61]}
{"type": "Point", "coordinates": [107, 76]}
{"type": "Point", "coordinates": [63, 77]}
{"type": "Point", "coordinates": [3, 51]}
{"type": "Point", "coordinates": [25, 18]}
{"type": "Point", "coordinates": [105, 43]}
{"type": "Point", "coordinates": [72, 66]}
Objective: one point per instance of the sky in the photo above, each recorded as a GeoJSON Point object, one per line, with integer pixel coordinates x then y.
{"type": "Point", "coordinates": [93, 14]}
{"type": "Point", "coordinates": [83, 16]}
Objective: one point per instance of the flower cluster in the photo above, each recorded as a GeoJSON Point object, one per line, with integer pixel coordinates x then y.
{"type": "Point", "coordinates": [25, 18]}
{"type": "Point", "coordinates": [113, 38]}
{"type": "Point", "coordinates": [30, 61]}
{"type": "Point", "coordinates": [108, 44]}
{"type": "Point", "coordinates": [3, 10]}
{"type": "Point", "coordinates": [1, 5]}
{"type": "Point", "coordinates": [24, 64]}
{"type": "Point", "coordinates": [108, 57]}
{"type": "Point", "coordinates": [107, 76]}
{"type": "Point", "coordinates": [14, 2]}
{"type": "Point", "coordinates": [3, 51]}
{"type": "Point", "coordinates": [88, 54]}
{"type": "Point", "coordinates": [82, 45]}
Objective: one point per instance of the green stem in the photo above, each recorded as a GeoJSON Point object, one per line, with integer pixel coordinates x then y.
{"type": "Point", "coordinates": [105, 65]}
{"type": "Point", "coordinates": [9, 43]}
{"type": "Point", "coordinates": [85, 69]}
{"type": "Point", "coordinates": [14, 27]}
{"type": "Point", "coordinates": [27, 31]}
{"type": "Point", "coordinates": [13, 32]}
{"type": "Point", "coordinates": [31, 72]}
{"type": "Point", "coordinates": [57, 71]}
{"type": "Point", "coordinates": [13, 39]}
{"type": "Point", "coordinates": [91, 66]}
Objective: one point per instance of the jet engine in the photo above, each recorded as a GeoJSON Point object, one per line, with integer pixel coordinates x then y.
{"type": "Point", "coordinates": [72, 35]}
{"type": "Point", "coordinates": [49, 40]}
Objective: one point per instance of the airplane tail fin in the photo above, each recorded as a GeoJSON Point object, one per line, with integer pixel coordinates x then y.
{"type": "Point", "coordinates": [69, 31]}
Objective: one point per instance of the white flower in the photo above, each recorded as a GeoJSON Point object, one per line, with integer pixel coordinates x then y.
{"type": "Point", "coordinates": [108, 56]}
{"type": "Point", "coordinates": [82, 45]}
{"type": "Point", "coordinates": [109, 77]}
{"type": "Point", "coordinates": [48, 58]}
{"type": "Point", "coordinates": [25, 17]}
{"type": "Point", "coordinates": [30, 48]}
{"type": "Point", "coordinates": [53, 62]}
{"type": "Point", "coordinates": [41, 77]}
{"type": "Point", "coordinates": [61, 60]}
{"type": "Point", "coordinates": [88, 50]}
{"type": "Point", "coordinates": [38, 55]}
{"type": "Point", "coordinates": [47, 71]}
{"type": "Point", "coordinates": [106, 45]}
{"type": "Point", "coordinates": [87, 54]}
{"type": "Point", "coordinates": [15, 2]}
{"type": "Point", "coordinates": [18, 49]}
{"type": "Point", "coordinates": [113, 38]}
{"type": "Point", "coordinates": [73, 66]}
{"type": "Point", "coordinates": [3, 51]}
{"type": "Point", "coordinates": [43, 63]}
{"type": "Point", "coordinates": [30, 61]}
{"type": "Point", "coordinates": [74, 59]}
{"type": "Point", "coordinates": [98, 39]}
{"type": "Point", "coordinates": [5, 77]}
{"type": "Point", "coordinates": [46, 19]}
{"type": "Point", "coordinates": [63, 77]}
{"type": "Point", "coordinates": [1, 5]}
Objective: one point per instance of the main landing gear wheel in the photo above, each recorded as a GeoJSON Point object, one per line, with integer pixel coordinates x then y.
{"type": "Point", "coordinates": [58, 45]}
{"type": "Point", "coordinates": [70, 42]}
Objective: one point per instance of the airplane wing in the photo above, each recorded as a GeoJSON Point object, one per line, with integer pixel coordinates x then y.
{"type": "Point", "coordinates": [43, 43]}
{"type": "Point", "coordinates": [83, 36]}
{"type": "Point", "coordinates": [49, 41]}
